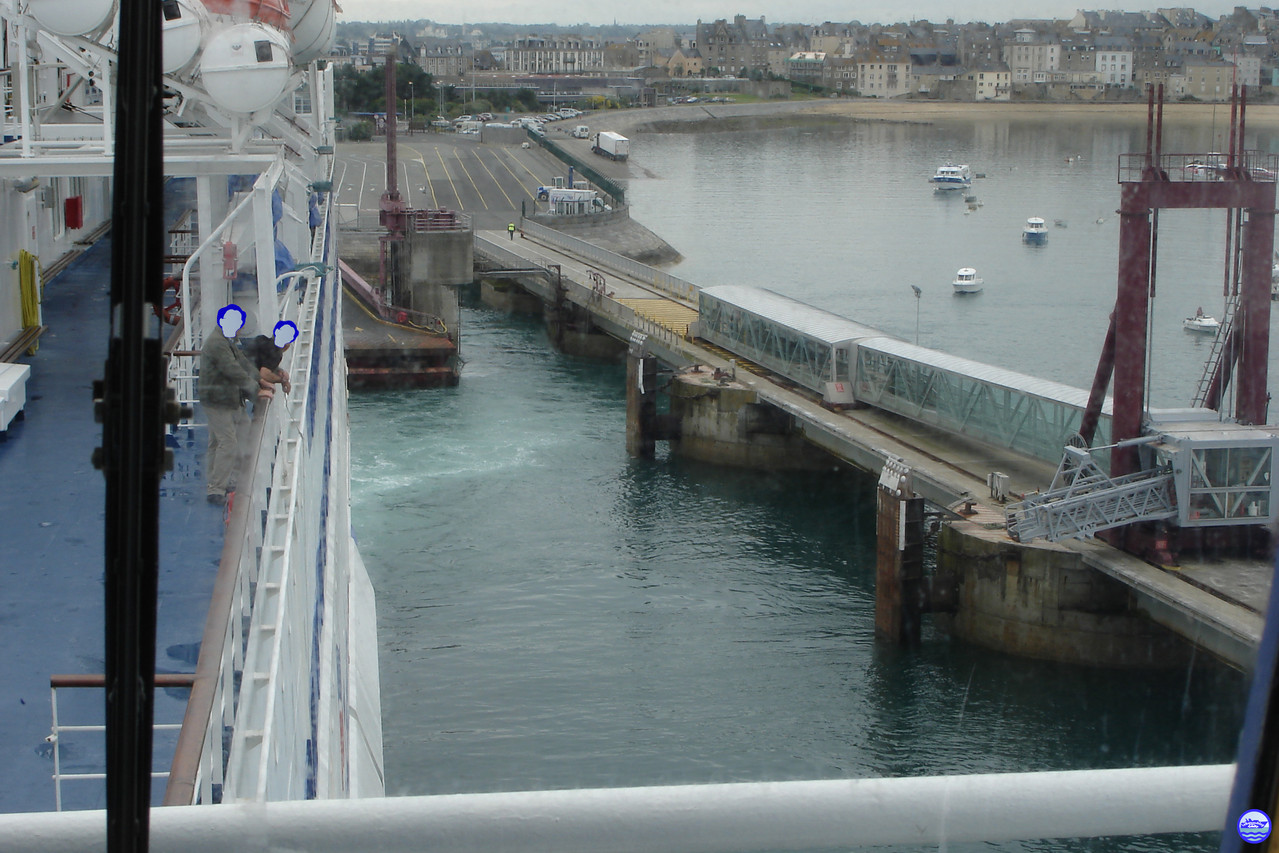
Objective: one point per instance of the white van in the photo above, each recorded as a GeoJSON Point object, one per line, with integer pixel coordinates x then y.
{"type": "Point", "coordinates": [580, 132]}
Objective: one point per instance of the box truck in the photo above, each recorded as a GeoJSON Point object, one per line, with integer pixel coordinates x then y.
{"type": "Point", "coordinates": [611, 145]}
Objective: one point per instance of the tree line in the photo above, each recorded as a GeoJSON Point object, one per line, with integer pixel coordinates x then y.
{"type": "Point", "coordinates": [359, 91]}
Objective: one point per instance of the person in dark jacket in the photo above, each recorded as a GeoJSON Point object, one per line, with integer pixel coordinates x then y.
{"type": "Point", "coordinates": [227, 380]}
{"type": "Point", "coordinates": [266, 353]}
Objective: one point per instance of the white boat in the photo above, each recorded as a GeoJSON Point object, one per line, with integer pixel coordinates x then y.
{"type": "Point", "coordinates": [1201, 322]}
{"type": "Point", "coordinates": [1035, 232]}
{"type": "Point", "coordinates": [950, 177]}
{"type": "Point", "coordinates": [966, 281]}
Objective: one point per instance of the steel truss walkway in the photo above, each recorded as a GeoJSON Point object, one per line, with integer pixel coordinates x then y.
{"type": "Point", "coordinates": [1083, 500]}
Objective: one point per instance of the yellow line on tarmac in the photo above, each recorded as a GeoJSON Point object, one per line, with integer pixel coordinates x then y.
{"type": "Point", "coordinates": [531, 172]}
{"type": "Point", "coordinates": [456, 194]}
{"type": "Point", "coordinates": [494, 177]}
{"type": "Point", "coordinates": [483, 201]}
{"type": "Point", "coordinates": [510, 156]}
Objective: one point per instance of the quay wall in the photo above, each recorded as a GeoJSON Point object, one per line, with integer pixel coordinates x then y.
{"type": "Point", "coordinates": [1039, 600]}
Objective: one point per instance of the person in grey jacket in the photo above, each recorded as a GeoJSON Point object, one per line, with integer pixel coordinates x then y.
{"type": "Point", "coordinates": [227, 380]}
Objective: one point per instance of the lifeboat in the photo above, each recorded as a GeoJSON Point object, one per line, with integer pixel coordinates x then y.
{"type": "Point", "coordinates": [184, 28]}
{"type": "Point", "coordinates": [314, 23]}
{"type": "Point", "coordinates": [246, 67]}
{"type": "Point", "coordinates": [73, 17]}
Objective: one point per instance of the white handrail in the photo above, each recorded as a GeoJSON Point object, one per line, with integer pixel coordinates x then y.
{"type": "Point", "coordinates": [757, 816]}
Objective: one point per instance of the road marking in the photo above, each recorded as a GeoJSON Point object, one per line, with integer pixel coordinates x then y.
{"type": "Point", "coordinates": [456, 194]}
{"type": "Point", "coordinates": [338, 183]}
{"type": "Point", "coordinates": [494, 177]}
{"type": "Point", "coordinates": [523, 166]}
{"type": "Point", "coordinates": [430, 185]}
{"type": "Point", "coordinates": [511, 156]}
{"type": "Point", "coordinates": [364, 175]}
{"type": "Point", "coordinates": [483, 201]}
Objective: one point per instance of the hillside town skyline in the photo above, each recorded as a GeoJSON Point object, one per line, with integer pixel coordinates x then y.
{"type": "Point", "coordinates": [1094, 55]}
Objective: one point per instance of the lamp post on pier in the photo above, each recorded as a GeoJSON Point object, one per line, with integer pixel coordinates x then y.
{"type": "Point", "coordinates": [918, 294]}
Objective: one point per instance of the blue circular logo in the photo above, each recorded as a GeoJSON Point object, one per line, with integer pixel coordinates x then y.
{"type": "Point", "coordinates": [1254, 826]}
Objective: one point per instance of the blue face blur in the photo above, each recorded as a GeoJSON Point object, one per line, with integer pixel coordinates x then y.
{"type": "Point", "coordinates": [285, 333]}
{"type": "Point", "coordinates": [231, 319]}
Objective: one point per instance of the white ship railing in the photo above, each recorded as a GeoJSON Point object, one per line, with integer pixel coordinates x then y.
{"type": "Point", "coordinates": [267, 686]}
{"type": "Point", "coordinates": [853, 814]}
{"type": "Point", "coordinates": [59, 728]}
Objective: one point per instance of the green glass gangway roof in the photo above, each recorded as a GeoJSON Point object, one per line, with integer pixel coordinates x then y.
{"type": "Point", "coordinates": [1004, 408]}
{"type": "Point", "coordinates": [819, 350]}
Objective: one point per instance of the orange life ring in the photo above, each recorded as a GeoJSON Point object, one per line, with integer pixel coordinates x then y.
{"type": "Point", "coordinates": [172, 312]}
{"type": "Point", "coordinates": [401, 317]}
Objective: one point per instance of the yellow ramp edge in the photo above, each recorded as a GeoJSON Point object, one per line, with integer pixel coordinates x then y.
{"type": "Point", "coordinates": [664, 312]}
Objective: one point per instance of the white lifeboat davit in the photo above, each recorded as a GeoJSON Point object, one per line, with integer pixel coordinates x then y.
{"type": "Point", "coordinates": [185, 26]}
{"type": "Point", "coordinates": [314, 24]}
{"type": "Point", "coordinates": [246, 67]}
{"type": "Point", "coordinates": [73, 17]}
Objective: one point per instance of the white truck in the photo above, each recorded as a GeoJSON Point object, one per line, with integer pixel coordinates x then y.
{"type": "Point", "coordinates": [612, 145]}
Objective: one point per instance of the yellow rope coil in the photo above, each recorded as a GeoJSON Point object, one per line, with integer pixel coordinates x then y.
{"type": "Point", "coordinates": [31, 294]}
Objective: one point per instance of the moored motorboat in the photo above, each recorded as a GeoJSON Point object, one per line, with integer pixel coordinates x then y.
{"type": "Point", "coordinates": [966, 281]}
{"type": "Point", "coordinates": [950, 177]}
{"type": "Point", "coordinates": [1036, 232]}
{"type": "Point", "coordinates": [1201, 322]}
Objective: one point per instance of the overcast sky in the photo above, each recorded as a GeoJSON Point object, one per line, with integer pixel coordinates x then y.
{"type": "Point", "coordinates": [596, 12]}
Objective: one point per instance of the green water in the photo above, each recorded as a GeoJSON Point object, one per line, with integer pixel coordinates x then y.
{"type": "Point", "coordinates": [555, 614]}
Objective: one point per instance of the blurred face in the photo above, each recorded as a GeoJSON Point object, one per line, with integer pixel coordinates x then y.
{"type": "Point", "coordinates": [284, 334]}
{"type": "Point", "coordinates": [231, 320]}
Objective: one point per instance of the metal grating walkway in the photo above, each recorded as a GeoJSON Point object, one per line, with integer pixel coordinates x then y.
{"type": "Point", "coordinates": [664, 312]}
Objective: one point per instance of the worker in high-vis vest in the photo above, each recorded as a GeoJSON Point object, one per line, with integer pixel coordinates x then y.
{"type": "Point", "coordinates": [510, 229]}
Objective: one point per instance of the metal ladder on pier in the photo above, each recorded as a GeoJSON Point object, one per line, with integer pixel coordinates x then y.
{"type": "Point", "coordinates": [1214, 356]}
{"type": "Point", "coordinates": [1083, 500]}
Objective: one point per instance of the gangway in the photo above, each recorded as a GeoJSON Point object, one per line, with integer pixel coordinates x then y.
{"type": "Point", "coordinates": [1083, 499]}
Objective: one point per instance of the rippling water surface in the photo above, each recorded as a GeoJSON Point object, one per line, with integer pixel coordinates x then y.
{"type": "Point", "coordinates": [554, 614]}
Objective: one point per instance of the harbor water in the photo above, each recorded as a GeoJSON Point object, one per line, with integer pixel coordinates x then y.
{"type": "Point", "coordinates": [554, 614]}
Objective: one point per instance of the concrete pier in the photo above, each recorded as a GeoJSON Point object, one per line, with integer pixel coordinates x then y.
{"type": "Point", "coordinates": [899, 557]}
{"type": "Point", "coordinates": [724, 422]}
{"type": "Point", "coordinates": [1040, 600]}
{"type": "Point", "coordinates": [505, 295]}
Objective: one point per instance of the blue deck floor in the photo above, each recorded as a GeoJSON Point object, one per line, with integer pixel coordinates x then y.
{"type": "Point", "coordinates": [51, 548]}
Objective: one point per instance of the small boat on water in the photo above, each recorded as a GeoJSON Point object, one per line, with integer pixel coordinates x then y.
{"type": "Point", "coordinates": [1201, 322]}
{"type": "Point", "coordinates": [951, 177]}
{"type": "Point", "coordinates": [1036, 231]}
{"type": "Point", "coordinates": [966, 281]}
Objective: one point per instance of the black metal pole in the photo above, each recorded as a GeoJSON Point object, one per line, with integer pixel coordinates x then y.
{"type": "Point", "coordinates": [132, 409]}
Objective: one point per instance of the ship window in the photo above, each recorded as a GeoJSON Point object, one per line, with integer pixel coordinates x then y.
{"type": "Point", "coordinates": [263, 49]}
{"type": "Point", "coordinates": [171, 10]}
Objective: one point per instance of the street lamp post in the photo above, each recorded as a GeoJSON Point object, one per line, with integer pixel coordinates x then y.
{"type": "Point", "coordinates": [918, 294]}
{"type": "Point", "coordinates": [412, 108]}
